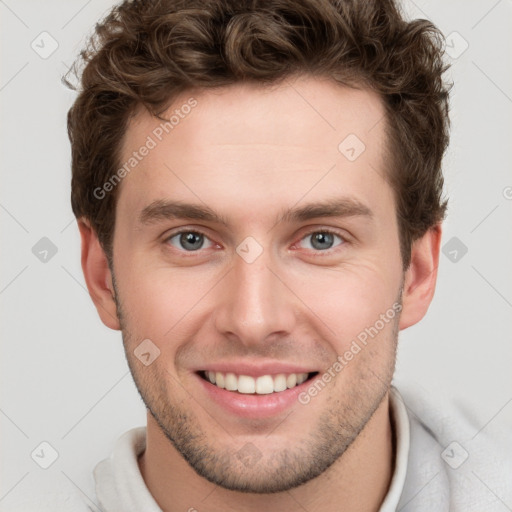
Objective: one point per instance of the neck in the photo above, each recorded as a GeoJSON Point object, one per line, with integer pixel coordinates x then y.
{"type": "Point", "coordinates": [358, 481]}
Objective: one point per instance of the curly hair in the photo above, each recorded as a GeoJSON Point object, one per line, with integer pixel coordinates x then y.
{"type": "Point", "coordinates": [147, 52]}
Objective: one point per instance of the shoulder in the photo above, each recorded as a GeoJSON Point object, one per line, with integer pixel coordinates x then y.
{"type": "Point", "coordinates": [451, 457]}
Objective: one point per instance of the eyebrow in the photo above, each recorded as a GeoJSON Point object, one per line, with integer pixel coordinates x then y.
{"type": "Point", "coordinates": [338, 207]}
{"type": "Point", "coordinates": [164, 210]}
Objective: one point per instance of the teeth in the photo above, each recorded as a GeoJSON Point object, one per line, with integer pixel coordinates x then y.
{"type": "Point", "coordinates": [280, 382]}
{"type": "Point", "coordinates": [301, 377]}
{"type": "Point", "coordinates": [291, 380]}
{"type": "Point", "coordinates": [246, 384]}
{"type": "Point", "coordinates": [230, 382]}
{"type": "Point", "coordinates": [219, 380]}
{"type": "Point", "coordinates": [263, 385]}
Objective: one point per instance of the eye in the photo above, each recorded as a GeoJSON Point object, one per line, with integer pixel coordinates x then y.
{"type": "Point", "coordinates": [189, 240]}
{"type": "Point", "coordinates": [321, 240]}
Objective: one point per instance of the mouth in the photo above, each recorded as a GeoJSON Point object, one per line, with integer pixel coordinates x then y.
{"type": "Point", "coordinates": [255, 385]}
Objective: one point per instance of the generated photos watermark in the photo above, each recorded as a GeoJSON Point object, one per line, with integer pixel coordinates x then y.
{"type": "Point", "coordinates": [152, 141]}
{"type": "Point", "coordinates": [356, 346]}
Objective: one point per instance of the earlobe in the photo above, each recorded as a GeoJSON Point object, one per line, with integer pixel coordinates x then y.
{"type": "Point", "coordinates": [420, 278]}
{"type": "Point", "coordinates": [97, 275]}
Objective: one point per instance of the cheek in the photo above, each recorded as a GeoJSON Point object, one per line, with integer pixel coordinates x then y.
{"type": "Point", "coordinates": [157, 300]}
{"type": "Point", "coordinates": [350, 300]}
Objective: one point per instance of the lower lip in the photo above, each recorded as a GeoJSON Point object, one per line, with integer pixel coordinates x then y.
{"type": "Point", "coordinates": [253, 406]}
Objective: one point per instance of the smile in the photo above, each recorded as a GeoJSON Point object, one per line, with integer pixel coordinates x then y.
{"type": "Point", "coordinates": [262, 385]}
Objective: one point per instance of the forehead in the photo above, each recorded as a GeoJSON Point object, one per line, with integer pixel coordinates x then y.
{"type": "Point", "coordinates": [301, 105]}
{"type": "Point", "coordinates": [238, 143]}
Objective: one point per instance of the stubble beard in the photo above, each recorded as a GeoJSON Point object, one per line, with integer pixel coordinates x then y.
{"type": "Point", "coordinates": [335, 429]}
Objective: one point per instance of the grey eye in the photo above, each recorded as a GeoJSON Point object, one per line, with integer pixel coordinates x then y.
{"type": "Point", "coordinates": [188, 240]}
{"type": "Point", "coordinates": [322, 240]}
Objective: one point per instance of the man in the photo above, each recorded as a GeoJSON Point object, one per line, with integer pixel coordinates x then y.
{"type": "Point", "coordinates": [258, 191]}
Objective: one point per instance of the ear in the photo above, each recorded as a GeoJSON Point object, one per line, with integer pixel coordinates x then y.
{"type": "Point", "coordinates": [420, 278]}
{"type": "Point", "coordinates": [97, 275]}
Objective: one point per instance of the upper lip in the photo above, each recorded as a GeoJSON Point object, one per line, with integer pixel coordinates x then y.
{"type": "Point", "coordinates": [256, 369]}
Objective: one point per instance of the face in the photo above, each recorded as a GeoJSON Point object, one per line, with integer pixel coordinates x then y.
{"type": "Point", "coordinates": [257, 246]}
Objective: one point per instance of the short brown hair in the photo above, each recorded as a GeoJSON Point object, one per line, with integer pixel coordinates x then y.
{"type": "Point", "coordinates": [145, 53]}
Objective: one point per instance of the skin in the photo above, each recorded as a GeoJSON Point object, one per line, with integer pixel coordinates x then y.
{"type": "Point", "coordinates": [249, 154]}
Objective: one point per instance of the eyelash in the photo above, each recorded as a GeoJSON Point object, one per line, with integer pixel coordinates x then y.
{"type": "Point", "coordinates": [344, 239]}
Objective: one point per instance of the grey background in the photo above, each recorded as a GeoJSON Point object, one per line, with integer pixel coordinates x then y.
{"type": "Point", "coordinates": [64, 376]}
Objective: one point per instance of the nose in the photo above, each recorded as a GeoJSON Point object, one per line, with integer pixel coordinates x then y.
{"type": "Point", "coordinates": [255, 304]}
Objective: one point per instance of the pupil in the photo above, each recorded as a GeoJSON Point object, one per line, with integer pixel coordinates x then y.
{"type": "Point", "coordinates": [191, 241]}
{"type": "Point", "coordinates": [322, 238]}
